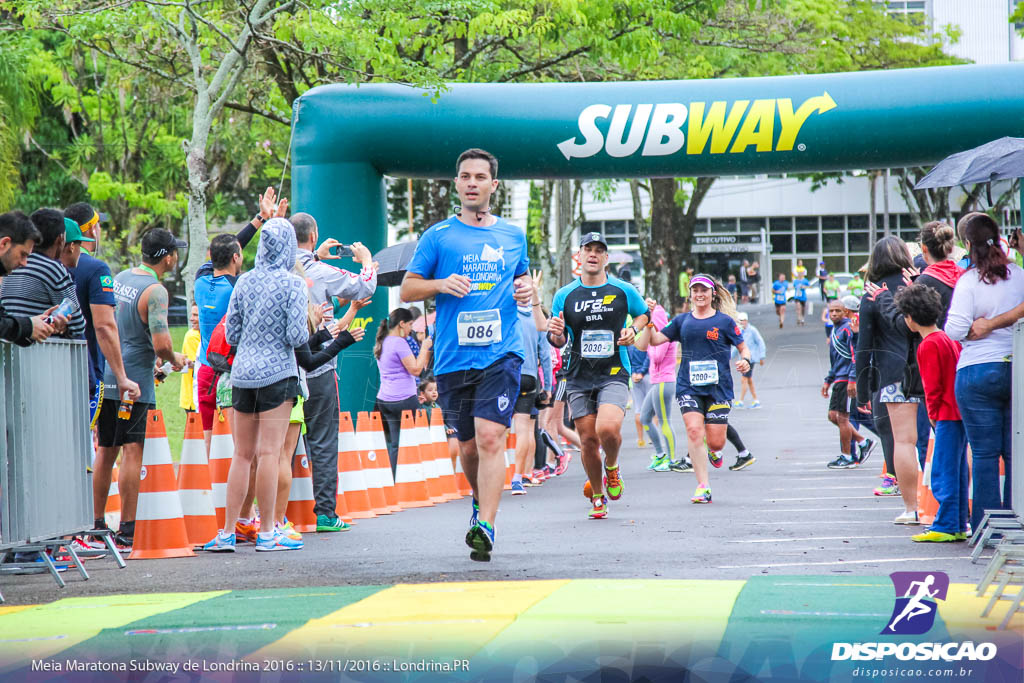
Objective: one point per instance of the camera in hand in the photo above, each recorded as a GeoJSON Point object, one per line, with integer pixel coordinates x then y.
{"type": "Point", "coordinates": [341, 250]}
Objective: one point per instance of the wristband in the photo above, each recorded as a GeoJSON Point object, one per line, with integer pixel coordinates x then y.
{"type": "Point", "coordinates": [635, 331]}
{"type": "Point", "coordinates": [649, 325]}
{"type": "Point", "coordinates": [259, 217]}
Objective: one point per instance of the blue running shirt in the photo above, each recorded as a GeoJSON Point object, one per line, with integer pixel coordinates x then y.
{"type": "Point", "coordinates": [800, 286]}
{"type": "Point", "coordinates": [466, 328]}
{"type": "Point", "coordinates": [705, 340]}
{"type": "Point", "coordinates": [780, 287]}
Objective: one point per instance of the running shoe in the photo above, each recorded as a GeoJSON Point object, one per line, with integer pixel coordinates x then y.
{"type": "Point", "coordinates": [613, 482]}
{"type": "Point", "coordinates": [843, 462]}
{"type": "Point", "coordinates": [548, 471]}
{"type": "Point", "coordinates": [653, 462]}
{"type": "Point", "coordinates": [245, 532]}
{"type": "Point", "coordinates": [737, 403]}
{"type": "Point", "coordinates": [888, 487]}
{"type": "Point", "coordinates": [563, 464]}
{"type": "Point", "coordinates": [123, 542]}
{"type": "Point", "coordinates": [84, 545]}
{"type": "Point", "coordinates": [325, 523]}
{"type": "Point", "coordinates": [755, 405]}
{"type": "Point", "coordinates": [907, 517]}
{"type": "Point", "coordinates": [480, 538]}
{"type": "Point", "coordinates": [476, 513]}
{"type": "Point", "coordinates": [599, 509]}
{"type": "Point", "coordinates": [529, 480]}
{"type": "Point", "coordinates": [539, 476]}
{"type": "Point", "coordinates": [517, 488]}
{"type": "Point", "coordinates": [934, 537]}
{"type": "Point", "coordinates": [715, 459]}
{"type": "Point", "coordinates": [221, 543]}
{"type": "Point", "coordinates": [640, 442]}
{"type": "Point", "coordinates": [741, 462]}
{"type": "Point", "coordinates": [701, 495]}
{"type": "Point", "coordinates": [864, 449]}
{"type": "Point", "coordinates": [277, 541]}
{"type": "Point", "coordinates": [660, 463]}
{"type": "Point", "coordinates": [683, 465]}
{"type": "Point", "coordinates": [963, 535]}
{"type": "Point", "coordinates": [288, 529]}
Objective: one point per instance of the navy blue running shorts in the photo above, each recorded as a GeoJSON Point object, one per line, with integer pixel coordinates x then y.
{"type": "Point", "coordinates": [489, 393]}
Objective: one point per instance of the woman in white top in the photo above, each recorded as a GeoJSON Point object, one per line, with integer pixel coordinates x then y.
{"type": "Point", "coordinates": [991, 286]}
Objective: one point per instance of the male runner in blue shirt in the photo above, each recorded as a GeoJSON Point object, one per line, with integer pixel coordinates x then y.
{"type": "Point", "coordinates": [476, 266]}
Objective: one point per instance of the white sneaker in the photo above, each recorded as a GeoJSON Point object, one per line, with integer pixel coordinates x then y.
{"type": "Point", "coordinates": [907, 517]}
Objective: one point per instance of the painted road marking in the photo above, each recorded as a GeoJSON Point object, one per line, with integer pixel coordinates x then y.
{"type": "Point", "coordinates": [841, 562]}
{"type": "Point", "coordinates": [867, 496]}
{"type": "Point", "coordinates": [811, 538]}
{"type": "Point", "coordinates": [832, 509]}
{"type": "Point", "coordinates": [389, 623]}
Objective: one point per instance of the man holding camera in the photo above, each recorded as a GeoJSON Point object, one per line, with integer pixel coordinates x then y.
{"type": "Point", "coordinates": [321, 408]}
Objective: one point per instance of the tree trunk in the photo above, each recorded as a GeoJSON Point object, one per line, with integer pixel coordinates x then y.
{"type": "Point", "coordinates": [665, 248]}
{"type": "Point", "coordinates": [198, 180]}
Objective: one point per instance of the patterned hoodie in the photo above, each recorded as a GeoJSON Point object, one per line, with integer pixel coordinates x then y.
{"type": "Point", "coordinates": [266, 317]}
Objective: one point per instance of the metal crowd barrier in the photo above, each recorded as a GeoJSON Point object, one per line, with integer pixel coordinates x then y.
{"type": "Point", "coordinates": [45, 490]}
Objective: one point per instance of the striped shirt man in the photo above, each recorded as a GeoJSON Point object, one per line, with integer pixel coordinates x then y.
{"type": "Point", "coordinates": [40, 285]}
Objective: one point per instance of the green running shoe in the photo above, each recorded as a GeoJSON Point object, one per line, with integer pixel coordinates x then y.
{"type": "Point", "coordinates": [613, 482]}
{"type": "Point", "coordinates": [325, 523]}
{"type": "Point", "coordinates": [660, 464]}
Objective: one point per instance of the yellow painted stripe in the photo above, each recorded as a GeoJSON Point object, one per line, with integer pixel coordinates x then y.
{"type": "Point", "coordinates": [961, 610]}
{"type": "Point", "coordinates": [440, 620]}
{"type": "Point", "coordinates": [11, 609]}
{"type": "Point", "coordinates": [636, 613]}
{"type": "Point", "coordinates": [45, 630]}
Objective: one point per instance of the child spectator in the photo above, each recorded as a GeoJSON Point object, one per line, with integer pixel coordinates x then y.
{"type": "Point", "coordinates": [840, 374]}
{"type": "Point", "coordinates": [428, 393]}
{"type": "Point", "coordinates": [937, 357]}
{"type": "Point", "coordinates": [190, 348]}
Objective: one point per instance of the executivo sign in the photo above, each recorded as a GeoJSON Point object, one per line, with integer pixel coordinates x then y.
{"type": "Point", "coordinates": [719, 127]}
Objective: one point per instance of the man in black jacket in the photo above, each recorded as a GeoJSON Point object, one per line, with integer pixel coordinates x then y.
{"type": "Point", "coordinates": [17, 237]}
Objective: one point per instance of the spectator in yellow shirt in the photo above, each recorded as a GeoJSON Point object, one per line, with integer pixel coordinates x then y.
{"type": "Point", "coordinates": [189, 347]}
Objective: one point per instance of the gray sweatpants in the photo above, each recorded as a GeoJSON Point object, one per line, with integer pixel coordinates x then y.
{"type": "Point", "coordinates": [321, 415]}
{"type": "Point", "coordinates": [659, 402]}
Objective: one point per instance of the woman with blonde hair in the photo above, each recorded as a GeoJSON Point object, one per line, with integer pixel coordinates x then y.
{"type": "Point", "coordinates": [704, 381]}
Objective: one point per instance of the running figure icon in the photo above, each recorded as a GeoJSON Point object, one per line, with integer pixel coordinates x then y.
{"type": "Point", "coordinates": [917, 606]}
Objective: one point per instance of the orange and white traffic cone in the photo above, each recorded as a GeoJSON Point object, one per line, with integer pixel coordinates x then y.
{"type": "Point", "coordinates": [351, 478]}
{"type": "Point", "coordinates": [461, 479]}
{"type": "Point", "coordinates": [301, 510]}
{"type": "Point", "coordinates": [222, 449]}
{"type": "Point", "coordinates": [430, 470]}
{"type": "Point", "coordinates": [362, 440]}
{"type": "Point", "coordinates": [159, 524]}
{"type": "Point", "coordinates": [112, 510]}
{"type": "Point", "coordinates": [410, 484]}
{"type": "Point", "coordinates": [510, 459]}
{"type": "Point", "coordinates": [927, 506]}
{"type": "Point", "coordinates": [442, 461]}
{"type": "Point", "coordinates": [377, 482]}
{"type": "Point", "coordinates": [378, 455]}
{"type": "Point", "coordinates": [194, 488]}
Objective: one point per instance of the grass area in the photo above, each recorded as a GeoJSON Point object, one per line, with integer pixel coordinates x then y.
{"type": "Point", "coordinates": [167, 395]}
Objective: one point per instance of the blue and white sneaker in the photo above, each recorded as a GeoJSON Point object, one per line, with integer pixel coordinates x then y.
{"type": "Point", "coordinates": [221, 543]}
{"type": "Point", "coordinates": [518, 489]}
{"type": "Point", "coordinates": [475, 515]}
{"type": "Point", "coordinates": [480, 538]}
{"type": "Point", "coordinates": [278, 541]}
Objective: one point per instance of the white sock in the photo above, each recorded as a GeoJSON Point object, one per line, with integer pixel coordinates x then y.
{"type": "Point", "coordinates": [266, 535]}
{"type": "Point", "coordinates": [744, 453]}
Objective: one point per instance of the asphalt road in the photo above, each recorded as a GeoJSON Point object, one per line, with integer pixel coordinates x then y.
{"type": "Point", "coordinates": [786, 514]}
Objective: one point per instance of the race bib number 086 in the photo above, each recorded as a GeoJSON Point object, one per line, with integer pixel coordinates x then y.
{"type": "Point", "coordinates": [479, 328]}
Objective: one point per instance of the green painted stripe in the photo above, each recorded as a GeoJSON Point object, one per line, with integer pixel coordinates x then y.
{"type": "Point", "coordinates": [222, 628]}
{"type": "Point", "coordinates": [46, 630]}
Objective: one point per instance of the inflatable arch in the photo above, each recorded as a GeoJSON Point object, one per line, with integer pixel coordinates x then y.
{"type": "Point", "coordinates": [345, 138]}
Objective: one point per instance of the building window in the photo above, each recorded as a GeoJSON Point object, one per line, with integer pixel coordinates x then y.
{"type": "Point", "coordinates": [832, 243]}
{"type": "Point", "coordinates": [858, 222]}
{"type": "Point", "coordinates": [857, 240]}
{"type": "Point", "coordinates": [780, 224]}
{"type": "Point", "coordinates": [751, 224]}
{"type": "Point", "coordinates": [723, 225]}
{"type": "Point", "coordinates": [807, 224]}
{"type": "Point", "coordinates": [836, 223]}
{"type": "Point", "coordinates": [782, 243]}
{"type": "Point", "coordinates": [616, 232]}
{"type": "Point", "coordinates": [807, 243]}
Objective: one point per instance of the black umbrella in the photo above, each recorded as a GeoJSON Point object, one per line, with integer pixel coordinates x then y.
{"type": "Point", "coordinates": [996, 160]}
{"type": "Point", "coordinates": [392, 263]}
